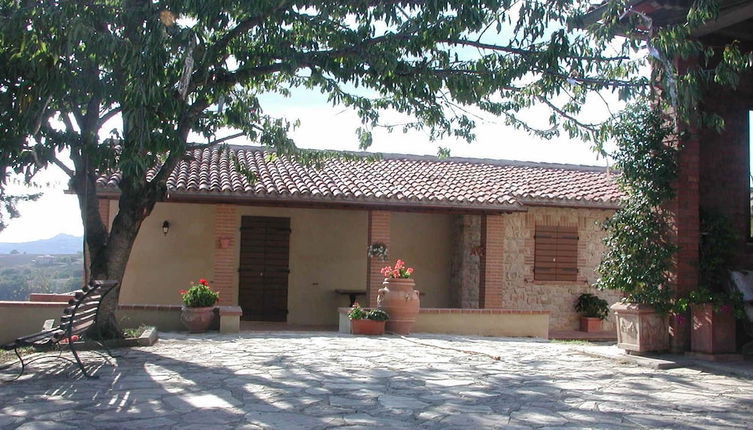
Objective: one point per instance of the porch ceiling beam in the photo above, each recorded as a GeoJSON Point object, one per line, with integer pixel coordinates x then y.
{"type": "Point", "coordinates": [727, 18]}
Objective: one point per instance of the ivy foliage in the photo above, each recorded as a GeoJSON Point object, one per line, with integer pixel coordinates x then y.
{"type": "Point", "coordinates": [714, 264]}
{"type": "Point", "coordinates": [639, 255]}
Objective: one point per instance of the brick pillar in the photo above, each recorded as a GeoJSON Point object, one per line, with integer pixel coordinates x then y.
{"type": "Point", "coordinates": [226, 246]}
{"type": "Point", "coordinates": [685, 212]}
{"type": "Point", "coordinates": [104, 212]}
{"type": "Point", "coordinates": [379, 231]}
{"type": "Point", "coordinates": [492, 235]}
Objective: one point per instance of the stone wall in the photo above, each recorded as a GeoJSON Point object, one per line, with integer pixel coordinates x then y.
{"type": "Point", "coordinates": [466, 262]}
{"type": "Point", "coordinates": [521, 291]}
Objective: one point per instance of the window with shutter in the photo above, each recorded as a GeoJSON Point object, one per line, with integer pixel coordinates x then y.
{"type": "Point", "coordinates": [556, 253]}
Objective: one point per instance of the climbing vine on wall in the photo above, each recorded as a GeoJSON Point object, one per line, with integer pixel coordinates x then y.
{"type": "Point", "coordinates": [639, 256]}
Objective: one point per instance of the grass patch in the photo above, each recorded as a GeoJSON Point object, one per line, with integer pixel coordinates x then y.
{"type": "Point", "coordinates": [135, 332]}
{"type": "Point", "coordinates": [10, 356]}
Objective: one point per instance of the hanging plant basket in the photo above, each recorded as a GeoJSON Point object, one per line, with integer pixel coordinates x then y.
{"type": "Point", "coordinates": [378, 250]}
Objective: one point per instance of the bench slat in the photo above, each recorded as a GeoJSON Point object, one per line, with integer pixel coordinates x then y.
{"type": "Point", "coordinates": [78, 321]}
{"type": "Point", "coordinates": [80, 314]}
{"type": "Point", "coordinates": [79, 329]}
{"type": "Point", "coordinates": [83, 307]}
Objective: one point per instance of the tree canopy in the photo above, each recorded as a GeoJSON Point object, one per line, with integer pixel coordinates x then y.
{"type": "Point", "coordinates": [170, 69]}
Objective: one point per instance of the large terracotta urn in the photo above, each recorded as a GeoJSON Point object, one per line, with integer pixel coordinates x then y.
{"type": "Point", "coordinates": [640, 328]}
{"type": "Point", "coordinates": [197, 320]}
{"type": "Point", "coordinates": [398, 298]}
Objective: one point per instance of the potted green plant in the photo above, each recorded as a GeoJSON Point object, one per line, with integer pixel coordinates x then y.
{"type": "Point", "coordinates": [713, 308]}
{"type": "Point", "coordinates": [593, 310]}
{"type": "Point", "coordinates": [365, 321]}
{"type": "Point", "coordinates": [197, 312]}
{"type": "Point", "coordinates": [639, 248]}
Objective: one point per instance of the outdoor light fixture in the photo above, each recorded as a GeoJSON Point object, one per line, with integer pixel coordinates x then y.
{"type": "Point", "coordinates": [165, 227]}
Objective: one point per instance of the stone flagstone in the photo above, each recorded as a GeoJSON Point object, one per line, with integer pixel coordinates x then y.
{"type": "Point", "coordinates": [331, 380]}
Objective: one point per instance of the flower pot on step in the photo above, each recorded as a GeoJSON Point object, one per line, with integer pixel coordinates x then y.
{"type": "Point", "coordinates": [591, 325]}
{"type": "Point", "coordinates": [367, 326]}
{"type": "Point", "coordinates": [197, 319]}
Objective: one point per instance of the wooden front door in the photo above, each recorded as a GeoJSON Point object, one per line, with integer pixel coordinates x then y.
{"type": "Point", "coordinates": [263, 280]}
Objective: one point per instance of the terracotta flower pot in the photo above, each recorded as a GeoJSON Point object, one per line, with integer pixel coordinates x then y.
{"type": "Point", "coordinates": [366, 326]}
{"type": "Point", "coordinates": [590, 324]}
{"type": "Point", "coordinates": [640, 328]}
{"type": "Point", "coordinates": [712, 332]}
{"type": "Point", "coordinates": [400, 301]}
{"type": "Point", "coordinates": [197, 320]}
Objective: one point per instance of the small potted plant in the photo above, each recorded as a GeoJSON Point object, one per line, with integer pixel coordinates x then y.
{"type": "Point", "coordinates": [593, 310]}
{"type": "Point", "coordinates": [197, 312]}
{"type": "Point", "coordinates": [370, 322]}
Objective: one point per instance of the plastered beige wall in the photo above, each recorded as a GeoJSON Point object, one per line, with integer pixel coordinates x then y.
{"type": "Point", "coordinates": [20, 319]}
{"type": "Point", "coordinates": [514, 325]}
{"type": "Point", "coordinates": [521, 291]}
{"type": "Point", "coordinates": [327, 252]}
{"type": "Point", "coordinates": [160, 265]}
{"type": "Point", "coordinates": [423, 241]}
{"type": "Point", "coordinates": [163, 320]}
{"type": "Point", "coordinates": [23, 318]}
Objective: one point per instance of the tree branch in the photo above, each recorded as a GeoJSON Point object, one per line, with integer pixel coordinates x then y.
{"type": "Point", "coordinates": [194, 145]}
{"type": "Point", "coordinates": [520, 51]}
{"type": "Point", "coordinates": [107, 116]}
{"type": "Point", "coordinates": [68, 171]}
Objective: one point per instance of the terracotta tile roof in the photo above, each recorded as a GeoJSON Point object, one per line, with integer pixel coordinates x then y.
{"type": "Point", "coordinates": [405, 180]}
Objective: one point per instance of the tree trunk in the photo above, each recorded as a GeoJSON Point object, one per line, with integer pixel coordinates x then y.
{"type": "Point", "coordinates": [109, 253]}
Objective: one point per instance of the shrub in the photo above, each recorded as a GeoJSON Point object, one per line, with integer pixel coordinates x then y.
{"type": "Point", "coordinates": [591, 306]}
{"type": "Point", "coordinates": [200, 295]}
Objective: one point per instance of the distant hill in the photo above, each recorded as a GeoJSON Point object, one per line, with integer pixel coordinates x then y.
{"type": "Point", "coordinates": [60, 244]}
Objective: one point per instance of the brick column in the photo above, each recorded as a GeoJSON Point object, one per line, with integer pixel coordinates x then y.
{"type": "Point", "coordinates": [379, 231]}
{"type": "Point", "coordinates": [104, 212]}
{"type": "Point", "coordinates": [685, 213]}
{"type": "Point", "coordinates": [226, 246]}
{"type": "Point", "coordinates": [492, 272]}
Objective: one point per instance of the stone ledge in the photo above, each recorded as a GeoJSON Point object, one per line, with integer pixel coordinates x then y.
{"type": "Point", "coordinates": [230, 310]}
{"type": "Point", "coordinates": [481, 322]}
{"type": "Point", "coordinates": [147, 307]}
{"type": "Point", "coordinates": [345, 310]}
{"type": "Point", "coordinates": [14, 304]}
{"type": "Point", "coordinates": [40, 297]}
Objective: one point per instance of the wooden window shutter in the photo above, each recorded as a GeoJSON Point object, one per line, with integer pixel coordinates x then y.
{"type": "Point", "coordinates": [556, 253]}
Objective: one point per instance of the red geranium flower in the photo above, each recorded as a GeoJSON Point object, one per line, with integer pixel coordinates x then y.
{"type": "Point", "coordinates": [183, 292]}
{"type": "Point", "coordinates": [203, 281]}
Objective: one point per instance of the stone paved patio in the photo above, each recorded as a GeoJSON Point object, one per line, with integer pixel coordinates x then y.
{"type": "Point", "coordinates": [328, 380]}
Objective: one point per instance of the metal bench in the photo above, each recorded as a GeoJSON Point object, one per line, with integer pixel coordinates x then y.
{"type": "Point", "coordinates": [78, 317]}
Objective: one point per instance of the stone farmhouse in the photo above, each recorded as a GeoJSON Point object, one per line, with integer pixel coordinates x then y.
{"type": "Point", "coordinates": [484, 236]}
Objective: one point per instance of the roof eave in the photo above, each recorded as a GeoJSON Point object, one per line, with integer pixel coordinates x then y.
{"type": "Point", "coordinates": [572, 203]}
{"type": "Point", "coordinates": [244, 198]}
